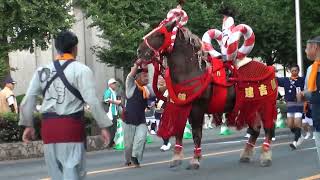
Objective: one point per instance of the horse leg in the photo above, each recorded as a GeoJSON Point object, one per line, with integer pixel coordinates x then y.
{"type": "Point", "coordinates": [249, 150]}
{"type": "Point", "coordinates": [266, 153]}
{"type": "Point", "coordinates": [177, 152]}
{"type": "Point", "coordinates": [268, 114]}
{"type": "Point", "coordinates": [196, 120]}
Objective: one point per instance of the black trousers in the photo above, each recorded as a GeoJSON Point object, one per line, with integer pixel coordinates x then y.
{"type": "Point", "coordinates": [316, 116]}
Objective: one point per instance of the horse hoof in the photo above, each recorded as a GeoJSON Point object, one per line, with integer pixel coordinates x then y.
{"type": "Point", "coordinates": [246, 155]}
{"type": "Point", "coordinates": [175, 163]}
{"type": "Point", "coordinates": [244, 160]}
{"type": "Point", "coordinates": [193, 167]}
{"type": "Point", "coordinates": [265, 163]}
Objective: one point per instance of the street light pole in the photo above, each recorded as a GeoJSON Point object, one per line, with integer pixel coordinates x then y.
{"type": "Point", "coordinates": [298, 37]}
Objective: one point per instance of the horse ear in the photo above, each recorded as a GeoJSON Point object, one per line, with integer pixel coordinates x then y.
{"type": "Point", "coordinates": [170, 26]}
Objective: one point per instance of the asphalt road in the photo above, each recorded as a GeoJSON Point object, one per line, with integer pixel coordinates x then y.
{"type": "Point", "coordinates": [220, 161]}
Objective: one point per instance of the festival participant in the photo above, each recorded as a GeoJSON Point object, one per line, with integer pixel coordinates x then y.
{"type": "Point", "coordinates": [159, 110]}
{"type": "Point", "coordinates": [307, 121]}
{"type": "Point", "coordinates": [150, 116]}
{"type": "Point", "coordinates": [135, 128]}
{"type": "Point", "coordinates": [66, 85]}
{"type": "Point", "coordinates": [293, 87]}
{"type": "Point", "coordinates": [207, 122]}
{"type": "Point", "coordinates": [110, 99]}
{"type": "Point", "coordinates": [8, 101]}
{"type": "Point", "coordinates": [312, 85]}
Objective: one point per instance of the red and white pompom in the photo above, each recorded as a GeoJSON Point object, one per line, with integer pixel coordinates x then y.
{"type": "Point", "coordinates": [229, 39]}
{"type": "Point", "coordinates": [180, 17]}
{"type": "Point", "coordinates": [212, 34]}
{"type": "Point", "coordinates": [249, 38]}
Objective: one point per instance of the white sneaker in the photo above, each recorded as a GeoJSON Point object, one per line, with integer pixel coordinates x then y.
{"type": "Point", "coordinates": [247, 135]}
{"type": "Point", "coordinates": [162, 147]}
{"type": "Point", "coordinates": [300, 140]}
{"type": "Point", "coordinates": [153, 132]}
{"type": "Point", "coordinates": [210, 127]}
{"type": "Point", "coordinates": [165, 147]}
{"type": "Point", "coordinates": [307, 135]}
{"type": "Point", "coordinates": [293, 145]}
{"type": "Point", "coordinates": [273, 138]}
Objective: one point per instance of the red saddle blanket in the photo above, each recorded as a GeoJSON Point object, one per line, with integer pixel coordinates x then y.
{"type": "Point", "coordinates": [256, 93]}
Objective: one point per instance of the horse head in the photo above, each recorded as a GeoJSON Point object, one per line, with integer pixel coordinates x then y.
{"type": "Point", "coordinates": [156, 42]}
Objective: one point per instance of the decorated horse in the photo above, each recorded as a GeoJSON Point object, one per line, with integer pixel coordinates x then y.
{"type": "Point", "coordinates": [200, 83]}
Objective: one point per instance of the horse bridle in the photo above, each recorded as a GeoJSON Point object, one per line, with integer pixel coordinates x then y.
{"type": "Point", "coordinates": [163, 48]}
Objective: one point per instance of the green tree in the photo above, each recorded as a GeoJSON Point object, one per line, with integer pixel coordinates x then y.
{"type": "Point", "coordinates": [274, 25]}
{"type": "Point", "coordinates": [310, 13]}
{"type": "Point", "coordinates": [26, 24]}
{"type": "Point", "coordinates": [124, 24]}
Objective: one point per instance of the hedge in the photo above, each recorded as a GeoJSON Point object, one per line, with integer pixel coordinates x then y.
{"type": "Point", "coordinates": [10, 131]}
{"type": "Point", "coordinates": [19, 99]}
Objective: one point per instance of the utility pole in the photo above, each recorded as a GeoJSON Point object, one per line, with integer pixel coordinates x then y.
{"type": "Point", "coordinates": [298, 37]}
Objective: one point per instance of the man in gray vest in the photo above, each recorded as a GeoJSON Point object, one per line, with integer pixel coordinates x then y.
{"type": "Point", "coordinates": [66, 85]}
{"type": "Point", "coordinates": [135, 128]}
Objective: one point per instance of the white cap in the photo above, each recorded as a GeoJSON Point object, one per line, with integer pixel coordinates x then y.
{"type": "Point", "coordinates": [111, 81]}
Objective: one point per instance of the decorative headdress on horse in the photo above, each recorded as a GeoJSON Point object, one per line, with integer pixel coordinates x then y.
{"type": "Point", "coordinates": [228, 39]}
{"type": "Point", "coordinates": [177, 16]}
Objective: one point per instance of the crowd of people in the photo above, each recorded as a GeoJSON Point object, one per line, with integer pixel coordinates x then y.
{"type": "Point", "coordinates": [62, 111]}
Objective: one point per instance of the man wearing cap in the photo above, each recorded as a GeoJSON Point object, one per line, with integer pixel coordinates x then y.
{"type": "Point", "coordinates": [135, 129]}
{"type": "Point", "coordinates": [110, 98]}
{"type": "Point", "coordinates": [66, 85]}
{"type": "Point", "coordinates": [8, 102]}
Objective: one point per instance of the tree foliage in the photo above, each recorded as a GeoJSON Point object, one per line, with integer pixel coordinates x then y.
{"type": "Point", "coordinates": [26, 24]}
{"type": "Point", "coordinates": [123, 24]}
{"type": "Point", "coordinates": [274, 25]}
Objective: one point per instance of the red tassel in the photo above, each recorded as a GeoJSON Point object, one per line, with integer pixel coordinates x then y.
{"type": "Point", "coordinates": [178, 148]}
{"type": "Point", "coordinates": [197, 152]}
{"type": "Point", "coordinates": [266, 145]}
{"type": "Point", "coordinates": [173, 120]}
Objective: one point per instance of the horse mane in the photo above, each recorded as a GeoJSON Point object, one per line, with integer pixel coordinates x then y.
{"type": "Point", "coordinates": [186, 35]}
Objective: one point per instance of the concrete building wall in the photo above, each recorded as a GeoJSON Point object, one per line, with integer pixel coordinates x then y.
{"type": "Point", "coordinates": [26, 63]}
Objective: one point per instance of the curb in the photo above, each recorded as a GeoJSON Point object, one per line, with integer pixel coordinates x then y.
{"type": "Point", "coordinates": [35, 149]}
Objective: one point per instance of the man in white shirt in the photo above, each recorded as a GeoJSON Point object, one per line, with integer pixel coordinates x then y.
{"type": "Point", "coordinates": [110, 98]}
